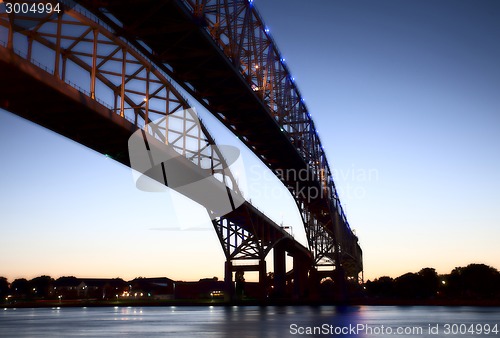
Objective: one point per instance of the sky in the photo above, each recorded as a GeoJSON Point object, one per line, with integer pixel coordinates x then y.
{"type": "Point", "coordinates": [405, 95]}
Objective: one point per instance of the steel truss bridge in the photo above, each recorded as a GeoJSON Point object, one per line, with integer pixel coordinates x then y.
{"type": "Point", "coordinates": [102, 69]}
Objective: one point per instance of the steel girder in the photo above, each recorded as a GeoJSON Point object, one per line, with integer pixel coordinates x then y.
{"type": "Point", "coordinates": [238, 30]}
{"type": "Point", "coordinates": [245, 235]}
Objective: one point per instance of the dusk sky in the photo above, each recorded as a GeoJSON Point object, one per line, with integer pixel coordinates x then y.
{"type": "Point", "coordinates": [406, 98]}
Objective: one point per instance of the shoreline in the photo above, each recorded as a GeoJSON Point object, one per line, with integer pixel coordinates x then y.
{"type": "Point", "coordinates": [201, 303]}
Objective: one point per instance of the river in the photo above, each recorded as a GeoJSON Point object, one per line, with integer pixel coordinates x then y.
{"type": "Point", "coordinates": [252, 321]}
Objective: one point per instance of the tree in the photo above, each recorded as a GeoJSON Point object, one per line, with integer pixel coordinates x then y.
{"type": "Point", "coordinates": [20, 288]}
{"type": "Point", "coordinates": [240, 283]}
{"type": "Point", "coordinates": [381, 287]}
{"type": "Point", "coordinates": [4, 288]}
{"type": "Point", "coordinates": [474, 281]}
{"type": "Point", "coordinates": [429, 282]}
{"type": "Point", "coordinates": [327, 288]}
{"type": "Point", "coordinates": [408, 286]}
{"type": "Point", "coordinates": [270, 283]}
{"type": "Point", "coordinates": [41, 286]}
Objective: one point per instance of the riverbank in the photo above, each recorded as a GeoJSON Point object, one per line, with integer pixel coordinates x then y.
{"type": "Point", "coordinates": [428, 302]}
{"type": "Point", "coordinates": [249, 302]}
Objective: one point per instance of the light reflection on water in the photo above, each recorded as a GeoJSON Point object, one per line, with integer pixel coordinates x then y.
{"type": "Point", "coordinates": [239, 322]}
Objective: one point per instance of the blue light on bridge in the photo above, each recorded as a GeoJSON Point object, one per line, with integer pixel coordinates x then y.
{"type": "Point", "coordinates": [266, 30]}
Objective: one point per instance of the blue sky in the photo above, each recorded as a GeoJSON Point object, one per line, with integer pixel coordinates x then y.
{"type": "Point", "coordinates": [410, 89]}
{"type": "Point", "coordinates": [406, 99]}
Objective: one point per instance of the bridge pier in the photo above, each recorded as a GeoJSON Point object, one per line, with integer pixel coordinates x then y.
{"type": "Point", "coordinates": [231, 293]}
{"type": "Point", "coordinates": [313, 284]}
{"type": "Point", "coordinates": [262, 280]}
{"type": "Point", "coordinates": [228, 282]}
{"type": "Point", "coordinates": [279, 271]}
{"type": "Point", "coordinates": [300, 274]}
{"type": "Point", "coordinates": [340, 284]}
{"type": "Point", "coordinates": [334, 290]}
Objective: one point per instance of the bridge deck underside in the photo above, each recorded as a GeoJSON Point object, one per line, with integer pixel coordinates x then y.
{"type": "Point", "coordinates": [30, 92]}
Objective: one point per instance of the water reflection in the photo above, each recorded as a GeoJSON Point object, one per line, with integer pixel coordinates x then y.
{"type": "Point", "coordinates": [239, 322]}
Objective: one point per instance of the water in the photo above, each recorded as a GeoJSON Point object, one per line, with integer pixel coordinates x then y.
{"type": "Point", "coordinates": [242, 322]}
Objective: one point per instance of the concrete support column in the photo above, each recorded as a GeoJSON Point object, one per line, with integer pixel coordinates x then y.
{"type": "Point", "coordinates": [228, 282]}
{"type": "Point", "coordinates": [262, 279]}
{"type": "Point", "coordinates": [340, 283]}
{"type": "Point", "coordinates": [314, 281]}
{"type": "Point", "coordinates": [279, 271]}
{"type": "Point", "coordinates": [300, 274]}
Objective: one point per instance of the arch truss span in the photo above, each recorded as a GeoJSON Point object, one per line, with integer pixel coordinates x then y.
{"type": "Point", "coordinates": [91, 85]}
{"type": "Point", "coordinates": [238, 30]}
{"type": "Point", "coordinates": [222, 53]}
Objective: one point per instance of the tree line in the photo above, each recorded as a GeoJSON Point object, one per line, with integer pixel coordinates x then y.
{"type": "Point", "coordinates": [473, 282]}
{"type": "Point", "coordinates": [37, 288]}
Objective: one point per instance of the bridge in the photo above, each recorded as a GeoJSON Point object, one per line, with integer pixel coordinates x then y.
{"type": "Point", "coordinates": [99, 71]}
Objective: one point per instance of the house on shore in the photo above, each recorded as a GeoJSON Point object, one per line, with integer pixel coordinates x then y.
{"type": "Point", "coordinates": [89, 288]}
